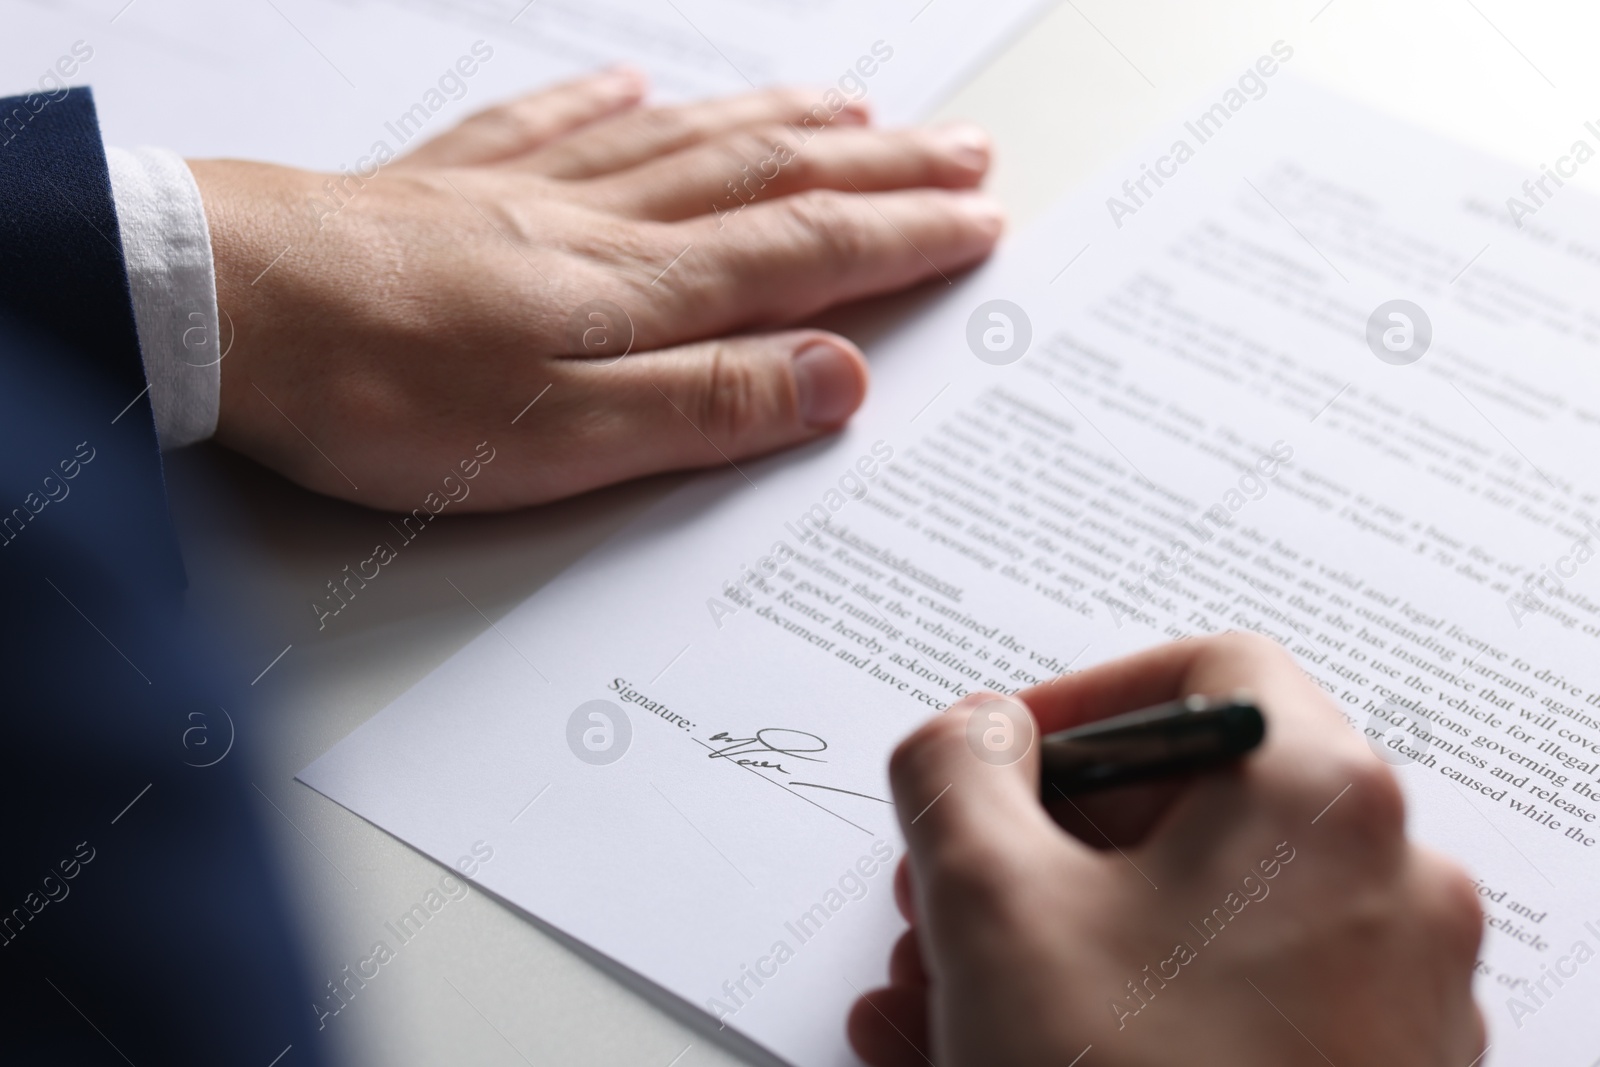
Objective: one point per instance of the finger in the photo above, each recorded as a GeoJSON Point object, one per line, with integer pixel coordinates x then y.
{"type": "Point", "coordinates": [520, 126]}
{"type": "Point", "coordinates": [953, 789]}
{"type": "Point", "coordinates": [629, 139]}
{"type": "Point", "coordinates": [905, 962]}
{"type": "Point", "coordinates": [1311, 770]}
{"type": "Point", "coordinates": [1453, 910]}
{"type": "Point", "coordinates": [729, 172]}
{"type": "Point", "coordinates": [1437, 917]}
{"type": "Point", "coordinates": [785, 260]}
{"type": "Point", "coordinates": [1115, 818]}
{"type": "Point", "coordinates": [1154, 676]}
{"type": "Point", "coordinates": [904, 891]}
{"type": "Point", "coordinates": [966, 791]}
{"type": "Point", "coordinates": [1478, 1033]}
{"type": "Point", "coordinates": [1210, 666]}
{"type": "Point", "coordinates": [714, 403]}
{"type": "Point", "coordinates": [889, 1028]}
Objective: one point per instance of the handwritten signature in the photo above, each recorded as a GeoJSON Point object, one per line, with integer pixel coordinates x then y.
{"type": "Point", "coordinates": [745, 751]}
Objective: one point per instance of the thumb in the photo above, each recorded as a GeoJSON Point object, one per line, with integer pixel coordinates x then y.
{"type": "Point", "coordinates": [716, 402]}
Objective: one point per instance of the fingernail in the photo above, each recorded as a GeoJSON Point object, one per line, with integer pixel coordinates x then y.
{"type": "Point", "coordinates": [854, 112]}
{"type": "Point", "coordinates": [623, 80]}
{"type": "Point", "coordinates": [973, 700]}
{"type": "Point", "coordinates": [982, 209]}
{"type": "Point", "coordinates": [829, 383]}
{"type": "Point", "coordinates": [965, 142]}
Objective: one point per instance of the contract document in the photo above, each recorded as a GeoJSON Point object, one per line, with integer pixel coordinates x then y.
{"type": "Point", "coordinates": [1291, 367]}
{"type": "Point", "coordinates": [313, 83]}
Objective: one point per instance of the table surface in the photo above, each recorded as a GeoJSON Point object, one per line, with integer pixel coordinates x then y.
{"type": "Point", "coordinates": [484, 984]}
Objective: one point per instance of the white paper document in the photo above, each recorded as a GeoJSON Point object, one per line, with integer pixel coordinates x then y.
{"type": "Point", "coordinates": [314, 83]}
{"type": "Point", "coordinates": [1293, 367]}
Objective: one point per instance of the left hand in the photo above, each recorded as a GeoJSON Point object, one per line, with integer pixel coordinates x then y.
{"type": "Point", "coordinates": [386, 325]}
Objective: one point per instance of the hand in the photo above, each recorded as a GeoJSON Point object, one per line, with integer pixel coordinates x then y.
{"type": "Point", "coordinates": [418, 311]}
{"type": "Point", "coordinates": [1268, 916]}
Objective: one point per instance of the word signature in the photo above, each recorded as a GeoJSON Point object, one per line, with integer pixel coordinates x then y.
{"type": "Point", "coordinates": [775, 740]}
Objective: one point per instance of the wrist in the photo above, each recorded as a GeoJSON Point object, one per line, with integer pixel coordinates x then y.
{"type": "Point", "coordinates": [258, 218]}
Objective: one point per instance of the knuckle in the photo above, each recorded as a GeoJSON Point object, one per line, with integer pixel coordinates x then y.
{"type": "Point", "coordinates": [748, 157]}
{"type": "Point", "coordinates": [735, 151]}
{"type": "Point", "coordinates": [774, 149]}
{"type": "Point", "coordinates": [1373, 807]}
{"type": "Point", "coordinates": [787, 156]}
{"type": "Point", "coordinates": [916, 758]}
{"type": "Point", "coordinates": [1460, 912]}
{"type": "Point", "coordinates": [933, 157]}
{"type": "Point", "coordinates": [640, 250]}
{"type": "Point", "coordinates": [790, 100]}
{"type": "Point", "coordinates": [824, 224]}
{"type": "Point", "coordinates": [731, 402]}
{"type": "Point", "coordinates": [671, 125]}
{"type": "Point", "coordinates": [1368, 920]}
{"type": "Point", "coordinates": [811, 110]}
{"type": "Point", "coordinates": [517, 121]}
{"type": "Point", "coordinates": [1248, 644]}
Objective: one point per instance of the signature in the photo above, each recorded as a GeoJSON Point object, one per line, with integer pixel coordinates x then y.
{"type": "Point", "coordinates": [746, 751]}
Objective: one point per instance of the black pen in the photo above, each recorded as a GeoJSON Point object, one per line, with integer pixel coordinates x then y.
{"type": "Point", "coordinates": [1194, 734]}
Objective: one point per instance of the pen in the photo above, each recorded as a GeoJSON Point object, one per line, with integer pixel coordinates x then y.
{"type": "Point", "coordinates": [1193, 734]}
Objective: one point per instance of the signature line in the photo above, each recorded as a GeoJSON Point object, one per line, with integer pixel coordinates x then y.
{"type": "Point", "coordinates": [836, 789]}
{"type": "Point", "coordinates": [791, 792]}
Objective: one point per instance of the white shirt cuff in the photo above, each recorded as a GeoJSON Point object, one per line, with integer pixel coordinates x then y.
{"type": "Point", "coordinates": [167, 247]}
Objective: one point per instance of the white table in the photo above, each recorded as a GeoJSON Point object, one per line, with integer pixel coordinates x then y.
{"type": "Point", "coordinates": [482, 984]}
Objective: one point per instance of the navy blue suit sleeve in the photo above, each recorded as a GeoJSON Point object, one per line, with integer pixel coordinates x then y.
{"type": "Point", "coordinates": [140, 920]}
{"type": "Point", "coordinates": [61, 267]}
{"type": "Point", "coordinates": [63, 281]}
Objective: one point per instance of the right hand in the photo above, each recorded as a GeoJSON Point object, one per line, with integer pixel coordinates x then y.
{"type": "Point", "coordinates": [1025, 938]}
